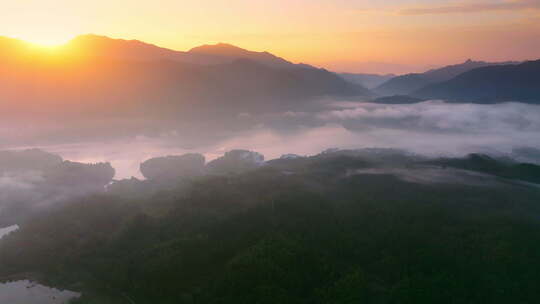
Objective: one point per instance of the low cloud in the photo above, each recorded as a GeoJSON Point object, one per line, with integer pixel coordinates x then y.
{"type": "Point", "coordinates": [430, 128]}
{"type": "Point", "coordinates": [437, 116]}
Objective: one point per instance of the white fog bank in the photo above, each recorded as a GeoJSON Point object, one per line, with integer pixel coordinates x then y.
{"type": "Point", "coordinates": [430, 128]}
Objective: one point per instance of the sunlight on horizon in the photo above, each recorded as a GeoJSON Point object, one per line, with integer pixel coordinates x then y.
{"type": "Point", "coordinates": [47, 41]}
{"type": "Point", "coordinates": [394, 36]}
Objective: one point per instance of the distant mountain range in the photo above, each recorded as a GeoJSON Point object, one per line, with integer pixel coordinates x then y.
{"type": "Point", "coordinates": [409, 83]}
{"type": "Point", "coordinates": [228, 53]}
{"type": "Point", "coordinates": [96, 74]}
{"type": "Point", "coordinates": [369, 81]}
{"type": "Point", "coordinates": [491, 84]}
{"type": "Point", "coordinates": [221, 53]}
{"type": "Point", "coordinates": [104, 77]}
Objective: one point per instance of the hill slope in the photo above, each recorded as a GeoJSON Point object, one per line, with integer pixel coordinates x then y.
{"type": "Point", "coordinates": [228, 52]}
{"type": "Point", "coordinates": [113, 76]}
{"type": "Point", "coordinates": [490, 84]}
{"type": "Point", "coordinates": [369, 81]}
{"type": "Point", "coordinates": [406, 84]}
{"type": "Point", "coordinates": [345, 227]}
{"type": "Point", "coordinates": [102, 46]}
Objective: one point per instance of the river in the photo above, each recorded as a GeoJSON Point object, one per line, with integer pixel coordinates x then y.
{"type": "Point", "coordinates": [26, 292]}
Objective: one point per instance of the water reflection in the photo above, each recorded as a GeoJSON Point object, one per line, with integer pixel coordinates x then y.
{"type": "Point", "coordinates": [26, 292]}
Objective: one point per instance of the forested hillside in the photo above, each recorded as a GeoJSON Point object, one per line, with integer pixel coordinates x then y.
{"type": "Point", "coordinates": [339, 227]}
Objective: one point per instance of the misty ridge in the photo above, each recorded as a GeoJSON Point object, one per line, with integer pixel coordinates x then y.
{"type": "Point", "coordinates": [409, 83]}
{"type": "Point", "coordinates": [33, 181]}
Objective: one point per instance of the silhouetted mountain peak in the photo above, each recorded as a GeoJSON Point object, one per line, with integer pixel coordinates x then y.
{"type": "Point", "coordinates": [476, 63]}
{"type": "Point", "coordinates": [102, 46]}
{"type": "Point", "coordinates": [105, 47]}
{"type": "Point", "coordinates": [219, 48]}
{"type": "Point", "coordinates": [90, 38]}
{"type": "Point", "coordinates": [233, 53]}
{"type": "Point", "coordinates": [104, 43]}
{"type": "Point", "coordinates": [222, 49]}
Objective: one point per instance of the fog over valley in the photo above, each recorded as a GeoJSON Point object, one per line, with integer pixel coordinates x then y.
{"type": "Point", "coordinates": [429, 128]}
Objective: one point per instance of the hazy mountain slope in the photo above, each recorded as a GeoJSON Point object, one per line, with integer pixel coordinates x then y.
{"type": "Point", "coordinates": [369, 81]}
{"type": "Point", "coordinates": [105, 47]}
{"type": "Point", "coordinates": [490, 84]}
{"type": "Point", "coordinates": [246, 77]}
{"type": "Point", "coordinates": [402, 85]}
{"type": "Point", "coordinates": [218, 57]}
{"type": "Point", "coordinates": [451, 71]}
{"type": "Point", "coordinates": [33, 181]}
{"type": "Point", "coordinates": [130, 84]}
{"type": "Point", "coordinates": [102, 76]}
{"type": "Point", "coordinates": [101, 46]}
{"type": "Point", "coordinates": [406, 84]}
{"type": "Point", "coordinates": [228, 53]}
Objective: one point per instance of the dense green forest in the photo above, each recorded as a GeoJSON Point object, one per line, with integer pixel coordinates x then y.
{"type": "Point", "coordinates": [341, 227]}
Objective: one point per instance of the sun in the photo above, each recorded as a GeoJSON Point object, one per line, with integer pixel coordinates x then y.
{"type": "Point", "coordinates": [46, 40]}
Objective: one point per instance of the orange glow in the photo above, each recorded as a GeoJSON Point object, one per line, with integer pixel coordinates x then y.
{"type": "Point", "coordinates": [46, 41]}
{"type": "Point", "coordinates": [337, 34]}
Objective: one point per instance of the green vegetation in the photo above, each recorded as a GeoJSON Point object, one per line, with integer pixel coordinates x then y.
{"type": "Point", "coordinates": [300, 230]}
{"type": "Point", "coordinates": [506, 168]}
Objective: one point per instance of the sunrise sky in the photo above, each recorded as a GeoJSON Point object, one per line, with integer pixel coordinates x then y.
{"type": "Point", "coordinates": [344, 35]}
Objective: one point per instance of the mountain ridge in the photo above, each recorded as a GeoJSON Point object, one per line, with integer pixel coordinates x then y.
{"type": "Point", "coordinates": [103, 76]}
{"type": "Point", "coordinates": [206, 54]}
{"type": "Point", "coordinates": [406, 84]}
{"type": "Point", "coordinates": [227, 50]}
{"type": "Point", "coordinates": [93, 46]}
{"type": "Point", "coordinates": [490, 85]}
{"type": "Point", "coordinates": [367, 80]}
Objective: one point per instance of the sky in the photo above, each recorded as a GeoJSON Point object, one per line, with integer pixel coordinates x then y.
{"type": "Point", "coordinates": [344, 35]}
